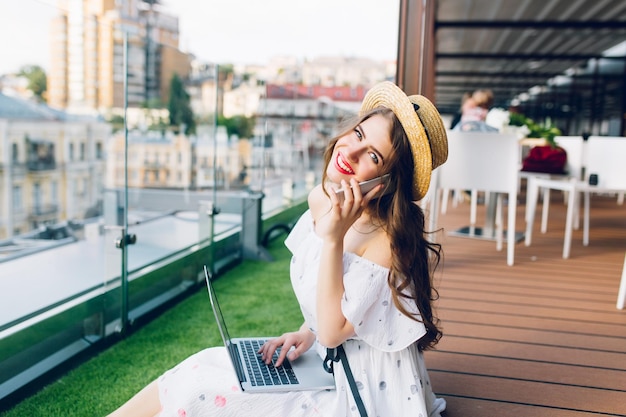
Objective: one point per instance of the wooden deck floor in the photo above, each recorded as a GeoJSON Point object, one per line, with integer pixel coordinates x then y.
{"type": "Point", "coordinates": [542, 337]}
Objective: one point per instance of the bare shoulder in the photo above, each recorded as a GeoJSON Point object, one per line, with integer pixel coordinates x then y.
{"type": "Point", "coordinates": [374, 246]}
{"type": "Point", "coordinates": [378, 249]}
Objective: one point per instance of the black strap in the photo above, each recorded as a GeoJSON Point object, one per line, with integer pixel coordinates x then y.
{"type": "Point", "coordinates": [335, 355]}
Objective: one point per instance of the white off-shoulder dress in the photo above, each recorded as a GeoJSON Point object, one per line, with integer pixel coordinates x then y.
{"type": "Point", "coordinates": [388, 368]}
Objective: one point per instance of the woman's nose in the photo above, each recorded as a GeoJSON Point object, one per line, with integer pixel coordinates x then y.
{"type": "Point", "coordinates": [354, 151]}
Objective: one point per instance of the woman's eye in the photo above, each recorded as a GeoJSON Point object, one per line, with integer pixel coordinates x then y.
{"type": "Point", "coordinates": [374, 157]}
{"type": "Point", "coordinates": [358, 133]}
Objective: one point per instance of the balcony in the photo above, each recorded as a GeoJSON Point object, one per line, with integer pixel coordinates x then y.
{"type": "Point", "coordinates": [43, 210]}
{"type": "Point", "coordinates": [38, 165]}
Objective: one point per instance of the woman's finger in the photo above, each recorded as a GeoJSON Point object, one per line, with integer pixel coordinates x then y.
{"type": "Point", "coordinates": [348, 190]}
{"type": "Point", "coordinates": [268, 349]}
{"type": "Point", "coordinates": [281, 356]}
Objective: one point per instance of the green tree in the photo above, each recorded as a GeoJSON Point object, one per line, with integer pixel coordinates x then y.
{"type": "Point", "coordinates": [179, 106]}
{"type": "Point", "coordinates": [117, 122]}
{"type": "Point", "coordinates": [37, 80]}
{"type": "Point", "coordinates": [238, 125]}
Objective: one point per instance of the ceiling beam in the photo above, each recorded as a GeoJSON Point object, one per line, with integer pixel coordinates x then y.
{"type": "Point", "coordinates": [531, 24]}
{"type": "Point", "coordinates": [535, 56]}
{"type": "Point", "coordinates": [519, 74]}
{"type": "Point", "coordinates": [495, 84]}
{"type": "Point", "coordinates": [526, 75]}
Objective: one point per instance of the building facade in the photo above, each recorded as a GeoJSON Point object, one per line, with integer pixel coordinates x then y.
{"type": "Point", "coordinates": [87, 55]}
{"type": "Point", "coordinates": [51, 166]}
{"type": "Point", "coordinates": [154, 161]}
{"type": "Point", "coordinates": [168, 161]}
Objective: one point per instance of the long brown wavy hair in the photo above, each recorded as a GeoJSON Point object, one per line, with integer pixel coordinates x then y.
{"type": "Point", "coordinates": [414, 258]}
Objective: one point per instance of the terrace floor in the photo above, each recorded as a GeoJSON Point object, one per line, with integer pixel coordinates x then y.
{"type": "Point", "coordinates": [542, 337]}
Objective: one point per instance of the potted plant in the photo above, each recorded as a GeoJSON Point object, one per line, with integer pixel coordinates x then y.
{"type": "Point", "coordinates": [546, 131]}
{"type": "Point", "coordinates": [549, 158]}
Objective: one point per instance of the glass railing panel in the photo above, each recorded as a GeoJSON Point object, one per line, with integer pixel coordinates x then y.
{"type": "Point", "coordinates": [79, 186]}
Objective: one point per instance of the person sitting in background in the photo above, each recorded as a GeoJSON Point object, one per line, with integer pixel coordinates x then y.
{"type": "Point", "coordinates": [457, 117]}
{"type": "Point", "coordinates": [474, 113]}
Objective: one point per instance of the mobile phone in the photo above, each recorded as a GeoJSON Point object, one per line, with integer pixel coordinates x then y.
{"type": "Point", "coordinates": [367, 186]}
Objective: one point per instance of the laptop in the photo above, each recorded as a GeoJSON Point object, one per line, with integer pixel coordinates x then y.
{"type": "Point", "coordinates": [305, 373]}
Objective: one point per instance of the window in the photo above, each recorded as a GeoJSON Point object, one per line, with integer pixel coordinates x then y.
{"type": "Point", "coordinates": [17, 198]}
{"type": "Point", "coordinates": [82, 151]}
{"type": "Point", "coordinates": [15, 154]}
{"type": "Point", "coordinates": [54, 192]}
{"type": "Point", "coordinates": [71, 151]}
{"type": "Point", "coordinates": [71, 185]}
{"type": "Point", "coordinates": [36, 196]}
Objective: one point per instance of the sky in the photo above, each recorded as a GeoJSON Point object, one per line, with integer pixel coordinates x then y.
{"type": "Point", "coordinates": [230, 31]}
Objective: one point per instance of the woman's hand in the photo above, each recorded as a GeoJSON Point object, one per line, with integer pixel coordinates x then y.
{"type": "Point", "coordinates": [344, 212]}
{"type": "Point", "coordinates": [302, 340]}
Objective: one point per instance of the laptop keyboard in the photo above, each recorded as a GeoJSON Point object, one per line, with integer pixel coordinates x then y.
{"type": "Point", "coordinates": [262, 374]}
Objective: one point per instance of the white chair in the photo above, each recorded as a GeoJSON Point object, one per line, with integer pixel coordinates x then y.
{"type": "Point", "coordinates": [489, 162]}
{"type": "Point", "coordinates": [573, 145]}
{"type": "Point", "coordinates": [459, 196]}
{"type": "Point", "coordinates": [603, 158]}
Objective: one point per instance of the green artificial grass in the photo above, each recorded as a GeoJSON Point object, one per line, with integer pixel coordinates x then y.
{"type": "Point", "coordinates": [248, 296]}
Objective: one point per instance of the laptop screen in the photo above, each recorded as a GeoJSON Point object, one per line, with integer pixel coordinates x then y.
{"type": "Point", "coordinates": [221, 325]}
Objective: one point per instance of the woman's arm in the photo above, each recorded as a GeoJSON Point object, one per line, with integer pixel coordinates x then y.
{"type": "Point", "coordinates": [331, 226]}
{"type": "Point", "coordinates": [332, 326]}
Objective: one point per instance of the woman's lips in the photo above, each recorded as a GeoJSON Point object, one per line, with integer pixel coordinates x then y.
{"type": "Point", "coordinates": [342, 166]}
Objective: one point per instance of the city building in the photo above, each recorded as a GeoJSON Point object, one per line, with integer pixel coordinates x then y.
{"type": "Point", "coordinates": [231, 156]}
{"type": "Point", "coordinates": [337, 71]}
{"type": "Point", "coordinates": [51, 166]}
{"type": "Point", "coordinates": [328, 71]}
{"type": "Point", "coordinates": [244, 100]}
{"type": "Point", "coordinates": [87, 55]}
{"type": "Point", "coordinates": [205, 95]}
{"type": "Point", "coordinates": [15, 85]}
{"type": "Point", "coordinates": [177, 162]}
{"type": "Point", "coordinates": [154, 160]}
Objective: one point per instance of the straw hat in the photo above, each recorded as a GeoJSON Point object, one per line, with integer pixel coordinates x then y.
{"type": "Point", "coordinates": [422, 124]}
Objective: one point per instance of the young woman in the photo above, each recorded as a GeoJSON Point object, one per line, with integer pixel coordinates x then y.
{"type": "Point", "coordinates": [362, 272]}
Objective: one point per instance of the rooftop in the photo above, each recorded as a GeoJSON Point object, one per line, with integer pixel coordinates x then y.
{"type": "Point", "coordinates": [18, 108]}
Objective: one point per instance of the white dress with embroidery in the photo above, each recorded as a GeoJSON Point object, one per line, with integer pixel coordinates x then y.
{"type": "Point", "coordinates": [389, 370]}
